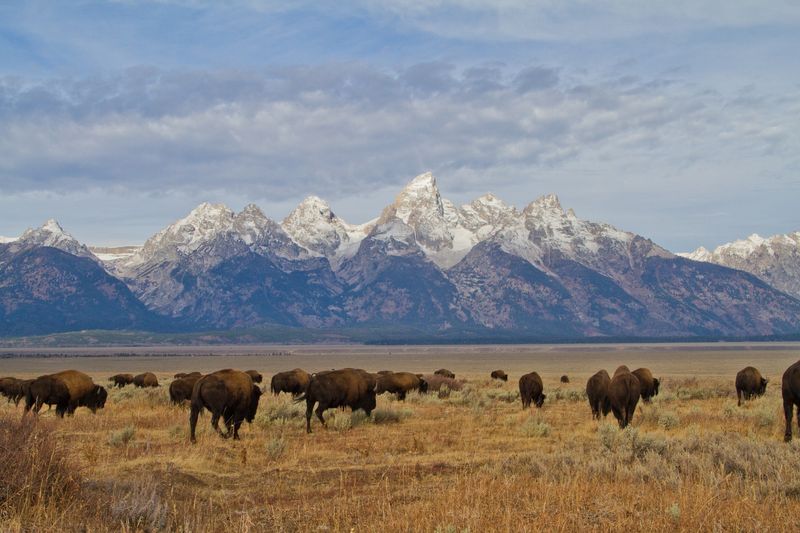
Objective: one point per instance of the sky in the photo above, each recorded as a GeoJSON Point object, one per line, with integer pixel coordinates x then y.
{"type": "Point", "coordinates": [679, 122]}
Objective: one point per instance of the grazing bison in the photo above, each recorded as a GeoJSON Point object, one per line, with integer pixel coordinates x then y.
{"type": "Point", "coordinates": [180, 390]}
{"type": "Point", "coordinates": [445, 373]}
{"type": "Point", "coordinates": [180, 375]}
{"type": "Point", "coordinates": [531, 390]}
{"type": "Point", "coordinates": [597, 392]}
{"type": "Point", "coordinates": [148, 379]}
{"type": "Point", "coordinates": [294, 382]}
{"type": "Point", "coordinates": [230, 394]}
{"type": "Point", "coordinates": [67, 390]}
{"type": "Point", "coordinates": [499, 374]}
{"type": "Point", "coordinates": [384, 372]}
{"type": "Point", "coordinates": [348, 387]}
{"type": "Point", "coordinates": [623, 395]}
{"type": "Point", "coordinates": [12, 389]}
{"type": "Point", "coordinates": [400, 383]}
{"type": "Point", "coordinates": [790, 390]}
{"type": "Point", "coordinates": [750, 383]}
{"type": "Point", "coordinates": [565, 378]}
{"type": "Point", "coordinates": [647, 383]}
{"type": "Point", "coordinates": [120, 380]}
{"type": "Point", "coordinates": [254, 375]}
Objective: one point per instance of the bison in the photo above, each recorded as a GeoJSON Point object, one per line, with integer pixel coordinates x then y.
{"type": "Point", "coordinates": [180, 375]}
{"type": "Point", "coordinates": [348, 387]}
{"type": "Point", "coordinates": [120, 380]}
{"type": "Point", "coordinates": [565, 379]}
{"type": "Point", "coordinates": [623, 395]}
{"type": "Point", "coordinates": [531, 390]}
{"type": "Point", "coordinates": [230, 394]}
{"type": "Point", "coordinates": [384, 372]}
{"type": "Point", "coordinates": [647, 383]}
{"type": "Point", "coordinates": [400, 383]}
{"type": "Point", "coordinates": [445, 373]}
{"type": "Point", "coordinates": [13, 389]}
{"type": "Point", "coordinates": [597, 392]}
{"type": "Point", "coordinates": [180, 390]}
{"type": "Point", "coordinates": [254, 375]}
{"type": "Point", "coordinates": [148, 379]}
{"type": "Point", "coordinates": [790, 390]}
{"type": "Point", "coordinates": [749, 383]}
{"type": "Point", "coordinates": [499, 374]}
{"type": "Point", "coordinates": [294, 382]}
{"type": "Point", "coordinates": [67, 390]}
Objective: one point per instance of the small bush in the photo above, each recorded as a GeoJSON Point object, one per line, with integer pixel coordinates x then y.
{"type": "Point", "coordinates": [436, 382]}
{"type": "Point", "coordinates": [122, 437]}
{"type": "Point", "coordinates": [387, 416]}
{"type": "Point", "coordinates": [503, 395]}
{"type": "Point", "coordinates": [569, 395]}
{"type": "Point", "coordinates": [140, 506]}
{"type": "Point", "coordinates": [534, 426]}
{"type": "Point", "coordinates": [607, 433]}
{"type": "Point", "coordinates": [276, 447]}
{"type": "Point", "coordinates": [668, 420]}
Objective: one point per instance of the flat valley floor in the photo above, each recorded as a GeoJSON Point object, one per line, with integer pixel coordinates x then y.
{"type": "Point", "coordinates": [449, 461]}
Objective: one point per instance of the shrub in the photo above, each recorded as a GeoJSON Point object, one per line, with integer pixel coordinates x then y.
{"type": "Point", "coordinates": [534, 426]}
{"type": "Point", "coordinates": [122, 437]}
{"type": "Point", "coordinates": [276, 447]}
{"type": "Point", "coordinates": [139, 506]}
{"type": "Point", "coordinates": [607, 433]}
{"type": "Point", "coordinates": [386, 416]}
{"type": "Point", "coordinates": [668, 420]}
{"type": "Point", "coordinates": [503, 395]}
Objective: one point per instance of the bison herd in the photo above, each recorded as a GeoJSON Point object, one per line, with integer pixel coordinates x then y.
{"type": "Point", "coordinates": [233, 395]}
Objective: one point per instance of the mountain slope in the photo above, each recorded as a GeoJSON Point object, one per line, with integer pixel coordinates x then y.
{"type": "Point", "coordinates": [44, 290]}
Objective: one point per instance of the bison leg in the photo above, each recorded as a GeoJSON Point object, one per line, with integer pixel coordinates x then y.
{"type": "Point", "coordinates": [788, 407]}
{"type": "Point", "coordinates": [739, 397]}
{"type": "Point", "coordinates": [401, 396]}
{"type": "Point", "coordinates": [215, 423]}
{"type": "Point", "coordinates": [193, 421]}
{"type": "Point", "coordinates": [320, 410]}
{"type": "Point", "coordinates": [236, 426]}
{"type": "Point", "coordinates": [309, 411]}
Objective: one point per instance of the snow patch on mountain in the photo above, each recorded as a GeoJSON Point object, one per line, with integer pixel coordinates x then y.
{"type": "Point", "coordinates": [51, 234]}
{"type": "Point", "coordinates": [6, 240]}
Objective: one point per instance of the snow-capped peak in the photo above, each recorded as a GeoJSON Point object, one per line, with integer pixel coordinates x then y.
{"type": "Point", "coordinates": [547, 202]}
{"type": "Point", "coordinates": [6, 240]}
{"type": "Point", "coordinates": [314, 226]}
{"type": "Point", "coordinates": [52, 234]}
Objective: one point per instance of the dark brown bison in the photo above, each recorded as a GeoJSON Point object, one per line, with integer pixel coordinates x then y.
{"type": "Point", "coordinates": [445, 373]}
{"type": "Point", "coordinates": [384, 372]}
{"type": "Point", "coordinates": [180, 375]}
{"type": "Point", "coordinates": [531, 390]}
{"type": "Point", "coordinates": [790, 390]}
{"type": "Point", "coordinates": [348, 387]}
{"type": "Point", "coordinates": [120, 380]}
{"type": "Point", "coordinates": [67, 390]}
{"type": "Point", "coordinates": [13, 389]}
{"type": "Point", "coordinates": [565, 378]}
{"type": "Point", "coordinates": [254, 375]}
{"type": "Point", "coordinates": [147, 379]}
{"type": "Point", "coordinates": [647, 383]}
{"type": "Point", "coordinates": [597, 392]}
{"type": "Point", "coordinates": [499, 374]}
{"type": "Point", "coordinates": [623, 395]}
{"type": "Point", "coordinates": [400, 383]}
{"type": "Point", "coordinates": [230, 394]}
{"type": "Point", "coordinates": [180, 390]}
{"type": "Point", "coordinates": [294, 382]}
{"type": "Point", "coordinates": [750, 383]}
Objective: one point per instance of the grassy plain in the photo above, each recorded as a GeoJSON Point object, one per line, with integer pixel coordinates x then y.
{"type": "Point", "coordinates": [471, 460]}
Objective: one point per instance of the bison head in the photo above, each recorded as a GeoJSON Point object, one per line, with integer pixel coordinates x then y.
{"type": "Point", "coordinates": [540, 400]}
{"type": "Point", "coordinates": [253, 407]}
{"type": "Point", "coordinates": [97, 398]}
{"type": "Point", "coordinates": [656, 384]}
{"type": "Point", "coordinates": [423, 385]}
{"type": "Point", "coordinates": [762, 387]}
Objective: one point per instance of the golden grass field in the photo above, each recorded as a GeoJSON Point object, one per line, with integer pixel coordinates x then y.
{"type": "Point", "coordinates": [471, 461]}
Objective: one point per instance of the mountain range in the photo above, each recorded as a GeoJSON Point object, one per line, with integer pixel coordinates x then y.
{"type": "Point", "coordinates": [485, 268]}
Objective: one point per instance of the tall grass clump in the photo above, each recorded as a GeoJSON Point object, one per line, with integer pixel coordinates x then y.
{"type": "Point", "coordinates": [388, 416]}
{"type": "Point", "coordinates": [37, 478]}
{"type": "Point", "coordinates": [122, 437]}
{"type": "Point", "coordinates": [535, 426]}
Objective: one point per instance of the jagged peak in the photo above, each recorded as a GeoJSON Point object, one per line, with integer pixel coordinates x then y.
{"type": "Point", "coordinates": [52, 226]}
{"type": "Point", "coordinates": [208, 210]}
{"type": "Point", "coordinates": [252, 209]}
{"type": "Point", "coordinates": [423, 181]}
{"type": "Point", "coordinates": [547, 202]}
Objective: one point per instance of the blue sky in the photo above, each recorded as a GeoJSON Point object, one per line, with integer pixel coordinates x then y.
{"type": "Point", "coordinates": [679, 121]}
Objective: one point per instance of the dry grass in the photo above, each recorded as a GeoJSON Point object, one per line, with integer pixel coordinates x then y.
{"type": "Point", "coordinates": [470, 461]}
